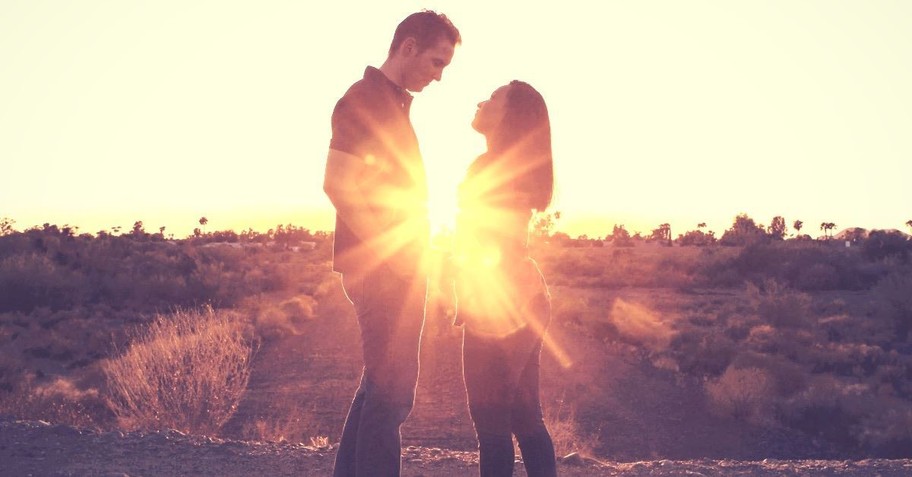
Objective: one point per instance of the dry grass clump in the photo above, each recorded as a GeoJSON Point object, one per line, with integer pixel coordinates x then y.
{"type": "Point", "coordinates": [275, 319]}
{"type": "Point", "coordinates": [890, 430]}
{"type": "Point", "coordinates": [565, 432]}
{"type": "Point", "coordinates": [743, 393]}
{"type": "Point", "coordinates": [285, 423]}
{"type": "Point", "coordinates": [60, 401]}
{"type": "Point", "coordinates": [185, 371]}
{"type": "Point", "coordinates": [779, 306]}
{"type": "Point", "coordinates": [894, 296]}
{"type": "Point", "coordinates": [638, 324]}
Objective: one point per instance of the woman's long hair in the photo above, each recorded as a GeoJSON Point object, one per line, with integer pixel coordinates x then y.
{"type": "Point", "coordinates": [521, 145]}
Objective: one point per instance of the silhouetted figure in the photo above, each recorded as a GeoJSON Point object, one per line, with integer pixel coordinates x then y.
{"type": "Point", "coordinates": [502, 296]}
{"type": "Point", "coordinates": [376, 181]}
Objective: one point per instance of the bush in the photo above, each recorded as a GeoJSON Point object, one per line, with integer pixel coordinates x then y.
{"type": "Point", "coordinates": [639, 325]}
{"type": "Point", "coordinates": [743, 393]}
{"type": "Point", "coordinates": [881, 244]}
{"type": "Point", "coordinates": [894, 297]}
{"type": "Point", "coordinates": [565, 432]}
{"type": "Point", "coordinates": [282, 422]}
{"type": "Point", "coordinates": [888, 433]}
{"type": "Point", "coordinates": [777, 305]}
{"type": "Point", "coordinates": [184, 371]}
{"type": "Point", "coordinates": [801, 265]}
{"type": "Point", "coordinates": [286, 318]}
{"type": "Point", "coordinates": [703, 354]}
{"type": "Point", "coordinates": [59, 401]}
{"type": "Point", "coordinates": [825, 409]}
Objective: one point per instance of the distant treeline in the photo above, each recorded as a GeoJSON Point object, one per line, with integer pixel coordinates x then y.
{"type": "Point", "coordinates": [52, 267]}
{"type": "Point", "coordinates": [743, 231]}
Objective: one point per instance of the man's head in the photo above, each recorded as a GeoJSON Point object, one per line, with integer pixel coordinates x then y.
{"type": "Point", "coordinates": [422, 47]}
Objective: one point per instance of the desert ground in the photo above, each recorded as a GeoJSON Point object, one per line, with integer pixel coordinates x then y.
{"type": "Point", "coordinates": [650, 368]}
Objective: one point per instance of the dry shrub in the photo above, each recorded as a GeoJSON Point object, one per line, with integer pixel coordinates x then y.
{"type": "Point", "coordinates": [894, 297]}
{"type": "Point", "coordinates": [780, 306]}
{"type": "Point", "coordinates": [852, 359]}
{"type": "Point", "coordinates": [703, 353]}
{"type": "Point", "coordinates": [285, 318]}
{"type": "Point", "coordinates": [743, 393]}
{"type": "Point", "coordinates": [59, 401]}
{"type": "Point", "coordinates": [787, 377]}
{"type": "Point", "coordinates": [568, 308]}
{"type": "Point", "coordinates": [830, 409]}
{"type": "Point", "coordinates": [889, 432]}
{"type": "Point", "coordinates": [640, 325]}
{"type": "Point", "coordinates": [853, 415]}
{"type": "Point", "coordinates": [300, 308]}
{"type": "Point", "coordinates": [794, 344]}
{"type": "Point", "coordinates": [284, 424]}
{"type": "Point", "coordinates": [565, 432]}
{"type": "Point", "coordinates": [184, 371]}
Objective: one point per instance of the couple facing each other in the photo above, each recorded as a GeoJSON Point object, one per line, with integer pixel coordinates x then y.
{"type": "Point", "coordinates": [376, 180]}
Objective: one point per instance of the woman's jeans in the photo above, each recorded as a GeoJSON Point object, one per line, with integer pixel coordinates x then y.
{"type": "Point", "coordinates": [390, 312]}
{"type": "Point", "coordinates": [502, 383]}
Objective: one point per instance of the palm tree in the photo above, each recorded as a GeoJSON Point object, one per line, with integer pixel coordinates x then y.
{"type": "Point", "coordinates": [797, 226]}
{"type": "Point", "coordinates": [203, 222]}
{"type": "Point", "coordinates": [826, 227]}
{"type": "Point", "coordinates": [909, 224]}
{"type": "Point", "coordinates": [662, 234]}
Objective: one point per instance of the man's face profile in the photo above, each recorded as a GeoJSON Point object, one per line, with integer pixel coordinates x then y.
{"type": "Point", "coordinates": [426, 65]}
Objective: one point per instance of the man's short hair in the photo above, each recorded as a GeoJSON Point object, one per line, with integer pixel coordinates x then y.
{"type": "Point", "coordinates": [427, 28]}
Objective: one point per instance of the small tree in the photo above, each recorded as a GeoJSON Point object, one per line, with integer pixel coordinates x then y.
{"type": "Point", "coordinates": [543, 225]}
{"type": "Point", "coordinates": [620, 237]}
{"type": "Point", "coordinates": [138, 231]}
{"type": "Point", "coordinates": [6, 226]}
{"type": "Point", "coordinates": [697, 237]}
{"type": "Point", "coordinates": [777, 228]}
{"type": "Point", "coordinates": [743, 231]}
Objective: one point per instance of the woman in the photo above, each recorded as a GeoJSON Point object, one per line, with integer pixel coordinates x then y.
{"type": "Point", "coordinates": [503, 299]}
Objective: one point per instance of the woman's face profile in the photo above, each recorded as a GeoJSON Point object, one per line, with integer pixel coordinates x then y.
{"type": "Point", "coordinates": [491, 111]}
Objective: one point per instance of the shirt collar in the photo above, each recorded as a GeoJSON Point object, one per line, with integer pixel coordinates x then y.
{"type": "Point", "coordinates": [376, 76]}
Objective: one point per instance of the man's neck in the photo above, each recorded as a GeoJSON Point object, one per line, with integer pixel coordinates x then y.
{"type": "Point", "coordinates": [393, 71]}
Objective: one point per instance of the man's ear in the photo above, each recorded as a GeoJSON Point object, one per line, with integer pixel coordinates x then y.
{"type": "Point", "coordinates": [409, 47]}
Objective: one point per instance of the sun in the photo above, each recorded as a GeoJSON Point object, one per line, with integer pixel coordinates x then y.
{"type": "Point", "coordinates": [442, 211]}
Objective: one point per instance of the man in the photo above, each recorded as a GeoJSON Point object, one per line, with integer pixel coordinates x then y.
{"type": "Point", "coordinates": [376, 181]}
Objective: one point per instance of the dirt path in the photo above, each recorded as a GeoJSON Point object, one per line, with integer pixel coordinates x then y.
{"type": "Point", "coordinates": [40, 449]}
{"type": "Point", "coordinates": [626, 408]}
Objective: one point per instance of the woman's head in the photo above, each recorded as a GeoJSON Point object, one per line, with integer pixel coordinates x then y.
{"type": "Point", "coordinates": [518, 131]}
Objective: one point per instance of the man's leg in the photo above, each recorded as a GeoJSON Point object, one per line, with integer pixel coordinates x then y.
{"type": "Point", "coordinates": [391, 314]}
{"type": "Point", "coordinates": [344, 465]}
{"type": "Point", "coordinates": [345, 457]}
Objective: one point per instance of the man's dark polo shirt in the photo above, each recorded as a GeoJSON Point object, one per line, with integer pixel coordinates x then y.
{"type": "Point", "coordinates": [371, 121]}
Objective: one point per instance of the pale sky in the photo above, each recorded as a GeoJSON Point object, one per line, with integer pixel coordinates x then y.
{"type": "Point", "coordinates": [662, 111]}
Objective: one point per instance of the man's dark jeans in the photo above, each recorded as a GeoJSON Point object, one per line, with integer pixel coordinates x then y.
{"type": "Point", "coordinates": [390, 312]}
{"type": "Point", "coordinates": [502, 383]}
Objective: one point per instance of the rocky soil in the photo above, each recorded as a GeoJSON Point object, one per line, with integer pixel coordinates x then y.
{"type": "Point", "coordinates": [638, 419]}
{"type": "Point", "coordinates": [29, 448]}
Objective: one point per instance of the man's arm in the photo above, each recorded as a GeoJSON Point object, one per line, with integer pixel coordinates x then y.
{"type": "Point", "coordinates": [344, 182]}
